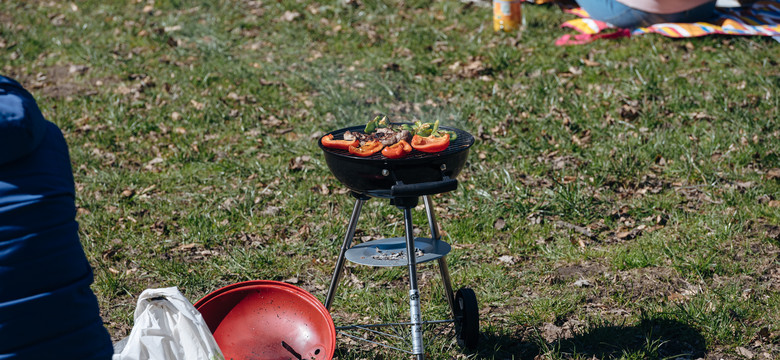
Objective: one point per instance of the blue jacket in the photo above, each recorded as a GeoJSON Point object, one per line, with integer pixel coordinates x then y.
{"type": "Point", "coordinates": [47, 309]}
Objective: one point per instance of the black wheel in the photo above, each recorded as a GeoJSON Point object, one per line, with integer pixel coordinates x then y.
{"type": "Point", "coordinates": [466, 318]}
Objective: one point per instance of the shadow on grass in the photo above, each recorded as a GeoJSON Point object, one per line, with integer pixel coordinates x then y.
{"type": "Point", "coordinates": [653, 338]}
{"type": "Point", "coordinates": [650, 339]}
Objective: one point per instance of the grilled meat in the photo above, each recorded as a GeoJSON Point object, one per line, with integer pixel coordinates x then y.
{"type": "Point", "coordinates": [386, 136]}
{"type": "Point", "coordinates": [362, 137]}
{"type": "Point", "coordinates": [405, 135]}
{"type": "Point", "coordinates": [389, 136]}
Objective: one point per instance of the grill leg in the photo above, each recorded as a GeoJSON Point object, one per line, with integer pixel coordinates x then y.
{"type": "Point", "coordinates": [414, 293]}
{"type": "Point", "coordinates": [443, 269]}
{"type": "Point", "coordinates": [334, 282]}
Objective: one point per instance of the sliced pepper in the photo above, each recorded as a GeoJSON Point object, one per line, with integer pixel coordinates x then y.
{"type": "Point", "coordinates": [431, 144]}
{"type": "Point", "coordinates": [368, 149]}
{"type": "Point", "coordinates": [329, 142]}
{"type": "Point", "coordinates": [453, 135]}
{"type": "Point", "coordinates": [397, 150]}
{"type": "Point", "coordinates": [372, 125]}
{"type": "Point", "coordinates": [383, 122]}
{"type": "Point", "coordinates": [422, 129]}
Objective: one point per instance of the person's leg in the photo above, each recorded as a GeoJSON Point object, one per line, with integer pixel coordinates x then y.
{"type": "Point", "coordinates": [612, 12]}
{"type": "Point", "coordinates": [622, 16]}
{"type": "Point", "coordinates": [702, 12]}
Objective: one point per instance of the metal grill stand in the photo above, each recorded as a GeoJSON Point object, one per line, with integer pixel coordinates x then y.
{"type": "Point", "coordinates": [463, 304]}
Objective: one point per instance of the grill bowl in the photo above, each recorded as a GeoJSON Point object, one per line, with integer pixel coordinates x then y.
{"type": "Point", "coordinates": [374, 175]}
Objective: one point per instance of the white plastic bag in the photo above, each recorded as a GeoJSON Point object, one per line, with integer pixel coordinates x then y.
{"type": "Point", "coordinates": [167, 327]}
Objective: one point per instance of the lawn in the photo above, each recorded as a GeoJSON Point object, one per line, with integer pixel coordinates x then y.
{"type": "Point", "coordinates": [622, 199]}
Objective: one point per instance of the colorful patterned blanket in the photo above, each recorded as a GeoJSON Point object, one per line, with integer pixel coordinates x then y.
{"type": "Point", "coordinates": [761, 18]}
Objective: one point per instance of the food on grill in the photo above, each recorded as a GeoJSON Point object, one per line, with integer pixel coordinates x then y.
{"type": "Point", "coordinates": [398, 140]}
{"type": "Point", "coordinates": [397, 150]}
{"type": "Point", "coordinates": [389, 136]}
{"type": "Point", "coordinates": [359, 136]}
{"type": "Point", "coordinates": [386, 136]}
{"type": "Point", "coordinates": [373, 124]}
{"type": "Point", "coordinates": [328, 141]}
{"type": "Point", "coordinates": [431, 144]}
{"type": "Point", "coordinates": [367, 149]}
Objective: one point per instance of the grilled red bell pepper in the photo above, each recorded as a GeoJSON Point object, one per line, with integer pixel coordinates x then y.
{"type": "Point", "coordinates": [431, 144]}
{"type": "Point", "coordinates": [397, 150]}
{"type": "Point", "coordinates": [328, 142]}
{"type": "Point", "coordinates": [368, 149]}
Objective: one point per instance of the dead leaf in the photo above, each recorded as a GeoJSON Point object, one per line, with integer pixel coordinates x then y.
{"type": "Point", "coordinates": [290, 15]}
{"type": "Point", "coordinates": [581, 140]}
{"type": "Point", "coordinates": [292, 280]}
{"type": "Point", "coordinates": [322, 189]}
{"type": "Point", "coordinates": [774, 203]}
{"type": "Point", "coordinates": [507, 259]}
{"type": "Point", "coordinates": [159, 227]}
{"type": "Point", "coordinates": [272, 121]}
{"type": "Point", "coordinates": [197, 105]}
{"type": "Point", "coordinates": [582, 283]}
{"type": "Point", "coordinates": [472, 69]}
{"type": "Point", "coordinates": [58, 20]}
{"type": "Point", "coordinates": [745, 352]}
{"type": "Point", "coordinates": [744, 184]}
{"type": "Point", "coordinates": [186, 247]}
{"type": "Point", "coordinates": [629, 112]}
{"type": "Point", "coordinates": [297, 163]}
{"type": "Point", "coordinates": [773, 174]}
{"type": "Point", "coordinates": [78, 69]}
{"type": "Point", "coordinates": [590, 63]}
{"type": "Point", "coordinates": [499, 224]}
{"type": "Point", "coordinates": [716, 156]}
{"type": "Point", "coordinates": [271, 211]}
{"type": "Point", "coordinates": [576, 241]}
{"type": "Point", "coordinates": [168, 29]}
{"type": "Point", "coordinates": [391, 67]}
{"type": "Point", "coordinates": [150, 165]}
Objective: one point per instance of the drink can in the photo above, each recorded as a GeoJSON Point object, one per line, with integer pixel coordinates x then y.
{"type": "Point", "coordinates": [507, 15]}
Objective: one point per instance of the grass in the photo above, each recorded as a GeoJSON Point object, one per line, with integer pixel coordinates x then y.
{"type": "Point", "coordinates": [185, 120]}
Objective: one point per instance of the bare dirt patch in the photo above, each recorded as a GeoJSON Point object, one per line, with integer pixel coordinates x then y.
{"type": "Point", "coordinates": [572, 273]}
{"type": "Point", "coordinates": [650, 283]}
{"type": "Point", "coordinates": [59, 81]}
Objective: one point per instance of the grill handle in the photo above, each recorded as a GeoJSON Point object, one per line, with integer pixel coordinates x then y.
{"type": "Point", "coordinates": [427, 188]}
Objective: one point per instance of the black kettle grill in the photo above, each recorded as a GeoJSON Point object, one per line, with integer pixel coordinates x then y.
{"type": "Point", "coordinates": [404, 181]}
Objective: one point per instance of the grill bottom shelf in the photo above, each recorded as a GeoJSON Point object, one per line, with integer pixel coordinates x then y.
{"type": "Point", "coordinates": [392, 251]}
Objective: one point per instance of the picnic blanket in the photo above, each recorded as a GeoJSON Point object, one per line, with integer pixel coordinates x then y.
{"type": "Point", "coordinates": [761, 18]}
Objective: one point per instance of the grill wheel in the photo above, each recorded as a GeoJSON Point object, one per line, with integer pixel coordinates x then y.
{"type": "Point", "coordinates": [466, 318]}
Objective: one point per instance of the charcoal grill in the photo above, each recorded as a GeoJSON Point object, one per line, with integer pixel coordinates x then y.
{"type": "Point", "coordinates": [404, 181]}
